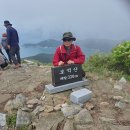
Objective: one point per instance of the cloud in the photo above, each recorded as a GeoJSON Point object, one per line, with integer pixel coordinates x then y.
{"type": "Point", "coordinates": [85, 18]}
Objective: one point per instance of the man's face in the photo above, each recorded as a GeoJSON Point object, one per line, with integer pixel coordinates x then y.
{"type": "Point", "coordinates": [67, 42]}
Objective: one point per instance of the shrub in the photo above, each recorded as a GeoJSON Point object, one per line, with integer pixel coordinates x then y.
{"type": "Point", "coordinates": [97, 62]}
{"type": "Point", "coordinates": [121, 57]}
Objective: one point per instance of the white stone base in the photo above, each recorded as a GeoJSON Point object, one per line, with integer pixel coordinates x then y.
{"type": "Point", "coordinates": [51, 89]}
{"type": "Point", "coordinates": [81, 96]}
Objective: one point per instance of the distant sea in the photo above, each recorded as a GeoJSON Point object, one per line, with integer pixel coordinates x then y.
{"type": "Point", "coordinates": [32, 51]}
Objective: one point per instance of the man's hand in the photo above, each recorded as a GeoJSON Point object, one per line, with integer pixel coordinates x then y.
{"type": "Point", "coordinates": [60, 63]}
{"type": "Point", "coordinates": [70, 62]}
{"type": "Point", "coordinates": [8, 46]}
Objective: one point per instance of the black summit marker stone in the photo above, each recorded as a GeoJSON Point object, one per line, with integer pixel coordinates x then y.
{"type": "Point", "coordinates": [66, 74]}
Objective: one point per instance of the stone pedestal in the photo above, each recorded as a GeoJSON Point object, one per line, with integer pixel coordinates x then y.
{"type": "Point", "coordinates": [51, 89]}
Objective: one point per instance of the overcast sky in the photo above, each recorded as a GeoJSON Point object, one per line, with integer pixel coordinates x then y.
{"type": "Point", "coordinates": [38, 20]}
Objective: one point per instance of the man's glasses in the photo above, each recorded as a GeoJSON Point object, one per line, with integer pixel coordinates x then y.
{"type": "Point", "coordinates": [67, 39]}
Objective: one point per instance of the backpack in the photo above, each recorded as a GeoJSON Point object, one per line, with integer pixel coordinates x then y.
{"type": "Point", "coordinates": [4, 43]}
{"type": "Point", "coordinates": [3, 61]}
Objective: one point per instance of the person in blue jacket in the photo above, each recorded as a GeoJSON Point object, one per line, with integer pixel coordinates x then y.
{"type": "Point", "coordinates": [13, 43]}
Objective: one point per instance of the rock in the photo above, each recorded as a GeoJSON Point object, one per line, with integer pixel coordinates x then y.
{"type": "Point", "coordinates": [104, 104]}
{"type": "Point", "coordinates": [107, 120]}
{"type": "Point", "coordinates": [48, 109]}
{"type": "Point", "coordinates": [116, 127]}
{"type": "Point", "coordinates": [20, 98]}
{"type": "Point", "coordinates": [64, 105]}
{"type": "Point", "coordinates": [59, 100]}
{"type": "Point", "coordinates": [42, 108]}
{"type": "Point", "coordinates": [123, 80]}
{"type": "Point", "coordinates": [57, 107]}
{"type": "Point", "coordinates": [89, 106]}
{"type": "Point", "coordinates": [81, 105]}
{"type": "Point", "coordinates": [61, 97]}
{"type": "Point", "coordinates": [120, 105]}
{"type": "Point", "coordinates": [95, 77]}
{"type": "Point", "coordinates": [119, 87]}
{"type": "Point", "coordinates": [68, 125]}
{"type": "Point", "coordinates": [32, 102]}
{"type": "Point", "coordinates": [2, 121]}
{"type": "Point", "coordinates": [48, 100]}
{"type": "Point", "coordinates": [4, 97]}
{"type": "Point", "coordinates": [25, 109]}
{"type": "Point", "coordinates": [40, 102]}
{"type": "Point", "coordinates": [83, 117]}
{"type": "Point", "coordinates": [9, 107]}
{"type": "Point", "coordinates": [42, 98]}
{"type": "Point", "coordinates": [111, 80]}
{"type": "Point", "coordinates": [23, 118]}
{"type": "Point", "coordinates": [126, 99]}
{"type": "Point", "coordinates": [17, 103]}
{"type": "Point", "coordinates": [33, 125]}
{"type": "Point", "coordinates": [40, 87]}
{"type": "Point", "coordinates": [85, 127]}
{"type": "Point", "coordinates": [38, 109]}
{"type": "Point", "coordinates": [50, 121]}
{"type": "Point", "coordinates": [120, 84]}
{"type": "Point", "coordinates": [117, 98]}
{"type": "Point", "coordinates": [70, 110]}
{"type": "Point", "coordinates": [30, 106]}
{"type": "Point", "coordinates": [70, 117]}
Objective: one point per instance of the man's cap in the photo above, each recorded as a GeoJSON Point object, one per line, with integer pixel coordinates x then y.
{"type": "Point", "coordinates": [6, 23]}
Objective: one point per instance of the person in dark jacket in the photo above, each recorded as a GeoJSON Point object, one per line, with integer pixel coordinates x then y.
{"type": "Point", "coordinates": [68, 53]}
{"type": "Point", "coordinates": [13, 43]}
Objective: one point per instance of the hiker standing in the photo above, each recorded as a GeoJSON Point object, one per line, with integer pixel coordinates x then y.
{"type": "Point", "coordinates": [5, 46]}
{"type": "Point", "coordinates": [13, 43]}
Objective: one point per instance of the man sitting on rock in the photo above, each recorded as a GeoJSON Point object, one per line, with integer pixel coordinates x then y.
{"type": "Point", "coordinates": [68, 53]}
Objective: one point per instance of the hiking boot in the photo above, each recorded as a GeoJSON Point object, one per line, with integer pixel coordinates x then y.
{"type": "Point", "coordinates": [17, 66]}
{"type": "Point", "coordinates": [10, 63]}
{"type": "Point", "coordinates": [20, 65]}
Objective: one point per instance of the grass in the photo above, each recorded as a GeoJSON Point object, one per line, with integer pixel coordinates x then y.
{"type": "Point", "coordinates": [11, 122]}
{"type": "Point", "coordinates": [102, 64]}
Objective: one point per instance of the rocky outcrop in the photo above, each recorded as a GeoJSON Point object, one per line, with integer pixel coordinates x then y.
{"type": "Point", "coordinates": [108, 109]}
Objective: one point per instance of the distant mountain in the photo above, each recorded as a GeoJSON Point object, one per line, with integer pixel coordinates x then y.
{"type": "Point", "coordinates": [103, 45]}
{"type": "Point", "coordinates": [46, 43]}
{"type": "Point", "coordinates": [44, 58]}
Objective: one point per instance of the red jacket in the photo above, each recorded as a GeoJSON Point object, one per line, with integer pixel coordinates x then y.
{"type": "Point", "coordinates": [75, 55]}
